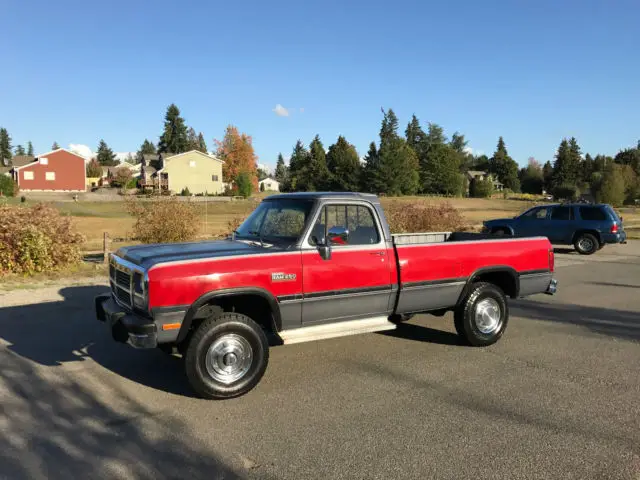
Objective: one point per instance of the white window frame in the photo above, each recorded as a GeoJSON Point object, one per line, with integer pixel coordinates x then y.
{"type": "Point", "coordinates": [44, 161]}
{"type": "Point", "coordinates": [28, 175]}
{"type": "Point", "coordinates": [192, 163]}
{"type": "Point", "coordinates": [51, 176]}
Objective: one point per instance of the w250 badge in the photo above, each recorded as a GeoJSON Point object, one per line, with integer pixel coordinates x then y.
{"type": "Point", "coordinates": [283, 277]}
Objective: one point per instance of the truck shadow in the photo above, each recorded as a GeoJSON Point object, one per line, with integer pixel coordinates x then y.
{"type": "Point", "coordinates": [58, 424]}
{"type": "Point", "coordinates": [419, 333]}
{"type": "Point", "coordinates": [614, 323]}
{"type": "Point", "coordinates": [55, 333]}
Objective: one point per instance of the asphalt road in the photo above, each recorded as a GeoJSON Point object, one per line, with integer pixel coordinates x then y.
{"type": "Point", "coordinates": [557, 397]}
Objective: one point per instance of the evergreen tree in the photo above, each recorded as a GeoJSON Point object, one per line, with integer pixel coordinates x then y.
{"type": "Point", "coordinates": [174, 136]}
{"type": "Point", "coordinates": [601, 162]}
{"type": "Point", "coordinates": [344, 164]}
{"type": "Point", "coordinates": [397, 163]}
{"type": "Point", "coordinates": [5, 145]}
{"type": "Point", "coordinates": [147, 148]}
{"type": "Point", "coordinates": [371, 180]}
{"type": "Point", "coordinates": [440, 165]}
{"type": "Point", "coordinates": [297, 168]}
{"type": "Point", "coordinates": [105, 155]}
{"type": "Point", "coordinates": [629, 156]}
{"type": "Point", "coordinates": [192, 140]}
{"type": "Point", "coordinates": [318, 175]}
{"type": "Point", "coordinates": [281, 170]}
{"type": "Point", "coordinates": [30, 148]}
{"type": "Point", "coordinates": [416, 138]}
{"type": "Point", "coordinates": [55, 146]}
{"type": "Point", "coordinates": [586, 168]}
{"type": "Point", "coordinates": [504, 167]}
{"type": "Point", "coordinates": [547, 176]}
{"type": "Point", "coordinates": [202, 145]}
{"type": "Point", "coordinates": [458, 143]}
{"type": "Point", "coordinates": [20, 151]}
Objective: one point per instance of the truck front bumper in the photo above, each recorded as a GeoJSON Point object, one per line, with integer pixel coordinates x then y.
{"type": "Point", "coordinates": [125, 326]}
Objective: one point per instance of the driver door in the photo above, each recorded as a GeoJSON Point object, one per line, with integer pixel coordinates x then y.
{"type": "Point", "coordinates": [355, 282]}
{"type": "Point", "coordinates": [534, 223]}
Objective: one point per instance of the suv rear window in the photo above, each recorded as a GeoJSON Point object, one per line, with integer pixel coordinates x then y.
{"type": "Point", "coordinates": [562, 213]}
{"type": "Point", "coordinates": [593, 213]}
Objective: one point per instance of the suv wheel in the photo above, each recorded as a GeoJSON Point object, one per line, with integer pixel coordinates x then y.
{"type": "Point", "coordinates": [482, 317]}
{"type": "Point", "coordinates": [586, 244]}
{"type": "Point", "coordinates": [500, 232]}
{"type": "Point", "coordinates": [227, 356]}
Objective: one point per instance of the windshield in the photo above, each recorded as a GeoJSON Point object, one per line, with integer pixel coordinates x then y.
{"type": "Point", "coordinates": [278, 221]}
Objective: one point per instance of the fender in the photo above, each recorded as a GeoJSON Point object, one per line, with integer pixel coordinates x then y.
{"type": "Point", "coordinates": [229, 292]}
{"type": "Point", "coordinates": [495, 269]}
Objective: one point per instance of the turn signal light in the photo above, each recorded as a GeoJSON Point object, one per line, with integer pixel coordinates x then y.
{"type": "Point", "coordinates": [614, 228]}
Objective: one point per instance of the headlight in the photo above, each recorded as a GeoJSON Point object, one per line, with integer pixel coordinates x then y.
{"type": "Point", "coordinates": [140, 291]}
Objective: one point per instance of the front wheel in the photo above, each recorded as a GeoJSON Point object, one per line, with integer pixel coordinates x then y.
{"type": "Point", "coordinates": [227, 356]}
{"type": "Point", "coordinates": [586, 244]}
{"type": "Point", "coordinates": [482, 317]}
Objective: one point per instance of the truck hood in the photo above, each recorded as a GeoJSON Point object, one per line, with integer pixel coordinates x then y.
{"type": "Point", "coordinates": [147, 256]}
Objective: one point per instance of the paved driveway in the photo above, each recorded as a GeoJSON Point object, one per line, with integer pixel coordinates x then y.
{"type": "Point", "coordinates": [558, 397]}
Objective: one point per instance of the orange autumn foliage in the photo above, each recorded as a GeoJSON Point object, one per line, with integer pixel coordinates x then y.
{"type": "Point", "coordinates": [236, 150]}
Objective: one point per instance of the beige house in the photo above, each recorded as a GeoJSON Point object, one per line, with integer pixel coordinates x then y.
{"type": "Point", "coordinates": [196, 171]}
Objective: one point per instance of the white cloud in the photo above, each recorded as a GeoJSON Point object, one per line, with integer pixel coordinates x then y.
{"type": "Point", "coordinates": [281, 111]}
{"type": "Point", "coordinates": [82, 150]}
{"type": "Point", "coordinates": [123, 155]}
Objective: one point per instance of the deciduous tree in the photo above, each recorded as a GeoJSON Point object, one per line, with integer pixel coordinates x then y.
{"type": "Point", "coordinates": [94, 170]}
{"type": "Point", "coordinates": [236, 151]}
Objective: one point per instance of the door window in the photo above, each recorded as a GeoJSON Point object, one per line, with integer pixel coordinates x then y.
{"type": "Point", "coordinates": [358, 221]}
{"type": "Point", "coordinates": [562, 213]}
{"type": "Point", "coordinates": [536, 214]}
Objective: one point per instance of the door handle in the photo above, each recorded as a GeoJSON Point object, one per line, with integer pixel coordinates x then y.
{"type": "Point", "coordinates": [381, 254]}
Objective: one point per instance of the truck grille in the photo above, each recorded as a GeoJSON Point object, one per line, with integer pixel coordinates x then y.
{"type": "Point", "coordinates": [120, 281]}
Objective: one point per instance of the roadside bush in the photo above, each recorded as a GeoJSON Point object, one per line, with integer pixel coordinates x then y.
{"type": "Point", "coordinates": [8, 188]}
{"type": "Point", "coordinates": [163, 220]}
{"type": "Point", "coordinates": [36, 239]}
{"type": "Point", "coordinates": [481, 188]}
{"type": "Point", "coordinates": [566, 192]}
{"type": "Point", "coordinates": [404, 217]}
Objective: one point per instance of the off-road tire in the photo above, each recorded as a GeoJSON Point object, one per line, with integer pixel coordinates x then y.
{"type": "Point", "coordinates": [586, 244]}
{"type": "Point", "coordinates": [464, 317]}
{"type": "Point", "coordinates": [212, 329]}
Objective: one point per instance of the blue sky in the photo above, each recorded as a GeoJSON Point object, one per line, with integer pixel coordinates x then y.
{"type": "Point", "coordinates": [533, 72]}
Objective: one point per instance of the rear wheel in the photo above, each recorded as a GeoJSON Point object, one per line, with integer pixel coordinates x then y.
{"type": "Point", "coordinates": [482, 317]}
{"type": "Point", "coordinates": [227, 356]}
{"type": "Point", "coordinates": [586, 244]}
{"type": "Point", "coordinates": [500, 232]}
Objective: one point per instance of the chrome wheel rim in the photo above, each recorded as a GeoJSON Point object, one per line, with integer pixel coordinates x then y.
{"type": "Point", "coordinates": [585, 244]}
{"type": "Point", "coordinates": [487, 315]}
{"type": "Point", "coordinates": [229, 358]}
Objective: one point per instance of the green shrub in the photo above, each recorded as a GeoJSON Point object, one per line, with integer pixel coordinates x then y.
{"type": "Point", "coordinates": [185, 192]}
{"type": "Point", "coordinates": [8, 188]}
{"type": "Point", "coordinates": [243, 184]}
{"type": "Point", "coordinates": [566, 192]}
{"type": "Point", "coordinates": [163, 220]}
{"type": "Point", "coordinates": [36, 239]}
{"type": "Point", "coordinates": [481, 188]}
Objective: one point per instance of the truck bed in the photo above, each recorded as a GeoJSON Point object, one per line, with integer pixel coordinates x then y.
{"type": "Point", "coordinates": [434, 267]}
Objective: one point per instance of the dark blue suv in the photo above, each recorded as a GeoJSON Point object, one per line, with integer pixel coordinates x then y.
{"type": "Point", "coordinates": [586, 226]}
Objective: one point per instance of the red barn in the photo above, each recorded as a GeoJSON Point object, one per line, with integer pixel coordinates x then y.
{"type": "Point", "coordinates": [57, 171]}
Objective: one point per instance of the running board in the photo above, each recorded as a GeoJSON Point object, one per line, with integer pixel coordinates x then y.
{"type": "Point", "coordinates": [336, 329]}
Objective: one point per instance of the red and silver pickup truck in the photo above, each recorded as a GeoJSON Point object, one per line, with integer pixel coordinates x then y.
{"type": "Point", "coordinates": [310, 266]}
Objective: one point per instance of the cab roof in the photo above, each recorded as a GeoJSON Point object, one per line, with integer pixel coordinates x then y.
{"type": "Point", "coordinates": [369, 197]}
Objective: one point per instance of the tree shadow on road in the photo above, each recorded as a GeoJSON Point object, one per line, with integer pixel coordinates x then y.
{"type": "Point", "coordinates": [54, 333]}
{"type": "Point", "coordinates": [55, 425]}
{"type": "Point", "coordinates": [615, 323]}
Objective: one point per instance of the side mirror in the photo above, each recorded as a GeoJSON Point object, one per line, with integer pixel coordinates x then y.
{"type": "Point", "coordinates": [338, 235]}
{"type": "Point", "coordinates": [325, 251]}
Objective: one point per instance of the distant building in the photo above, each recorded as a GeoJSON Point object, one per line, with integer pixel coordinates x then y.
{"type": "Point", "coordinates": [196, 171]}
{"type": "Point", "coordinates": [480, 175]}
{"type": "Point", "coordinates": [270, 185]}
{"type": "Point", "coordinates": [56, 171]}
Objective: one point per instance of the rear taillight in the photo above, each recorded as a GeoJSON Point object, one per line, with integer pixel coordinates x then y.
{"type": "Point", "coordinates": [552, 260]}
{"type": "Point", "coordinates": [614, 228]}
